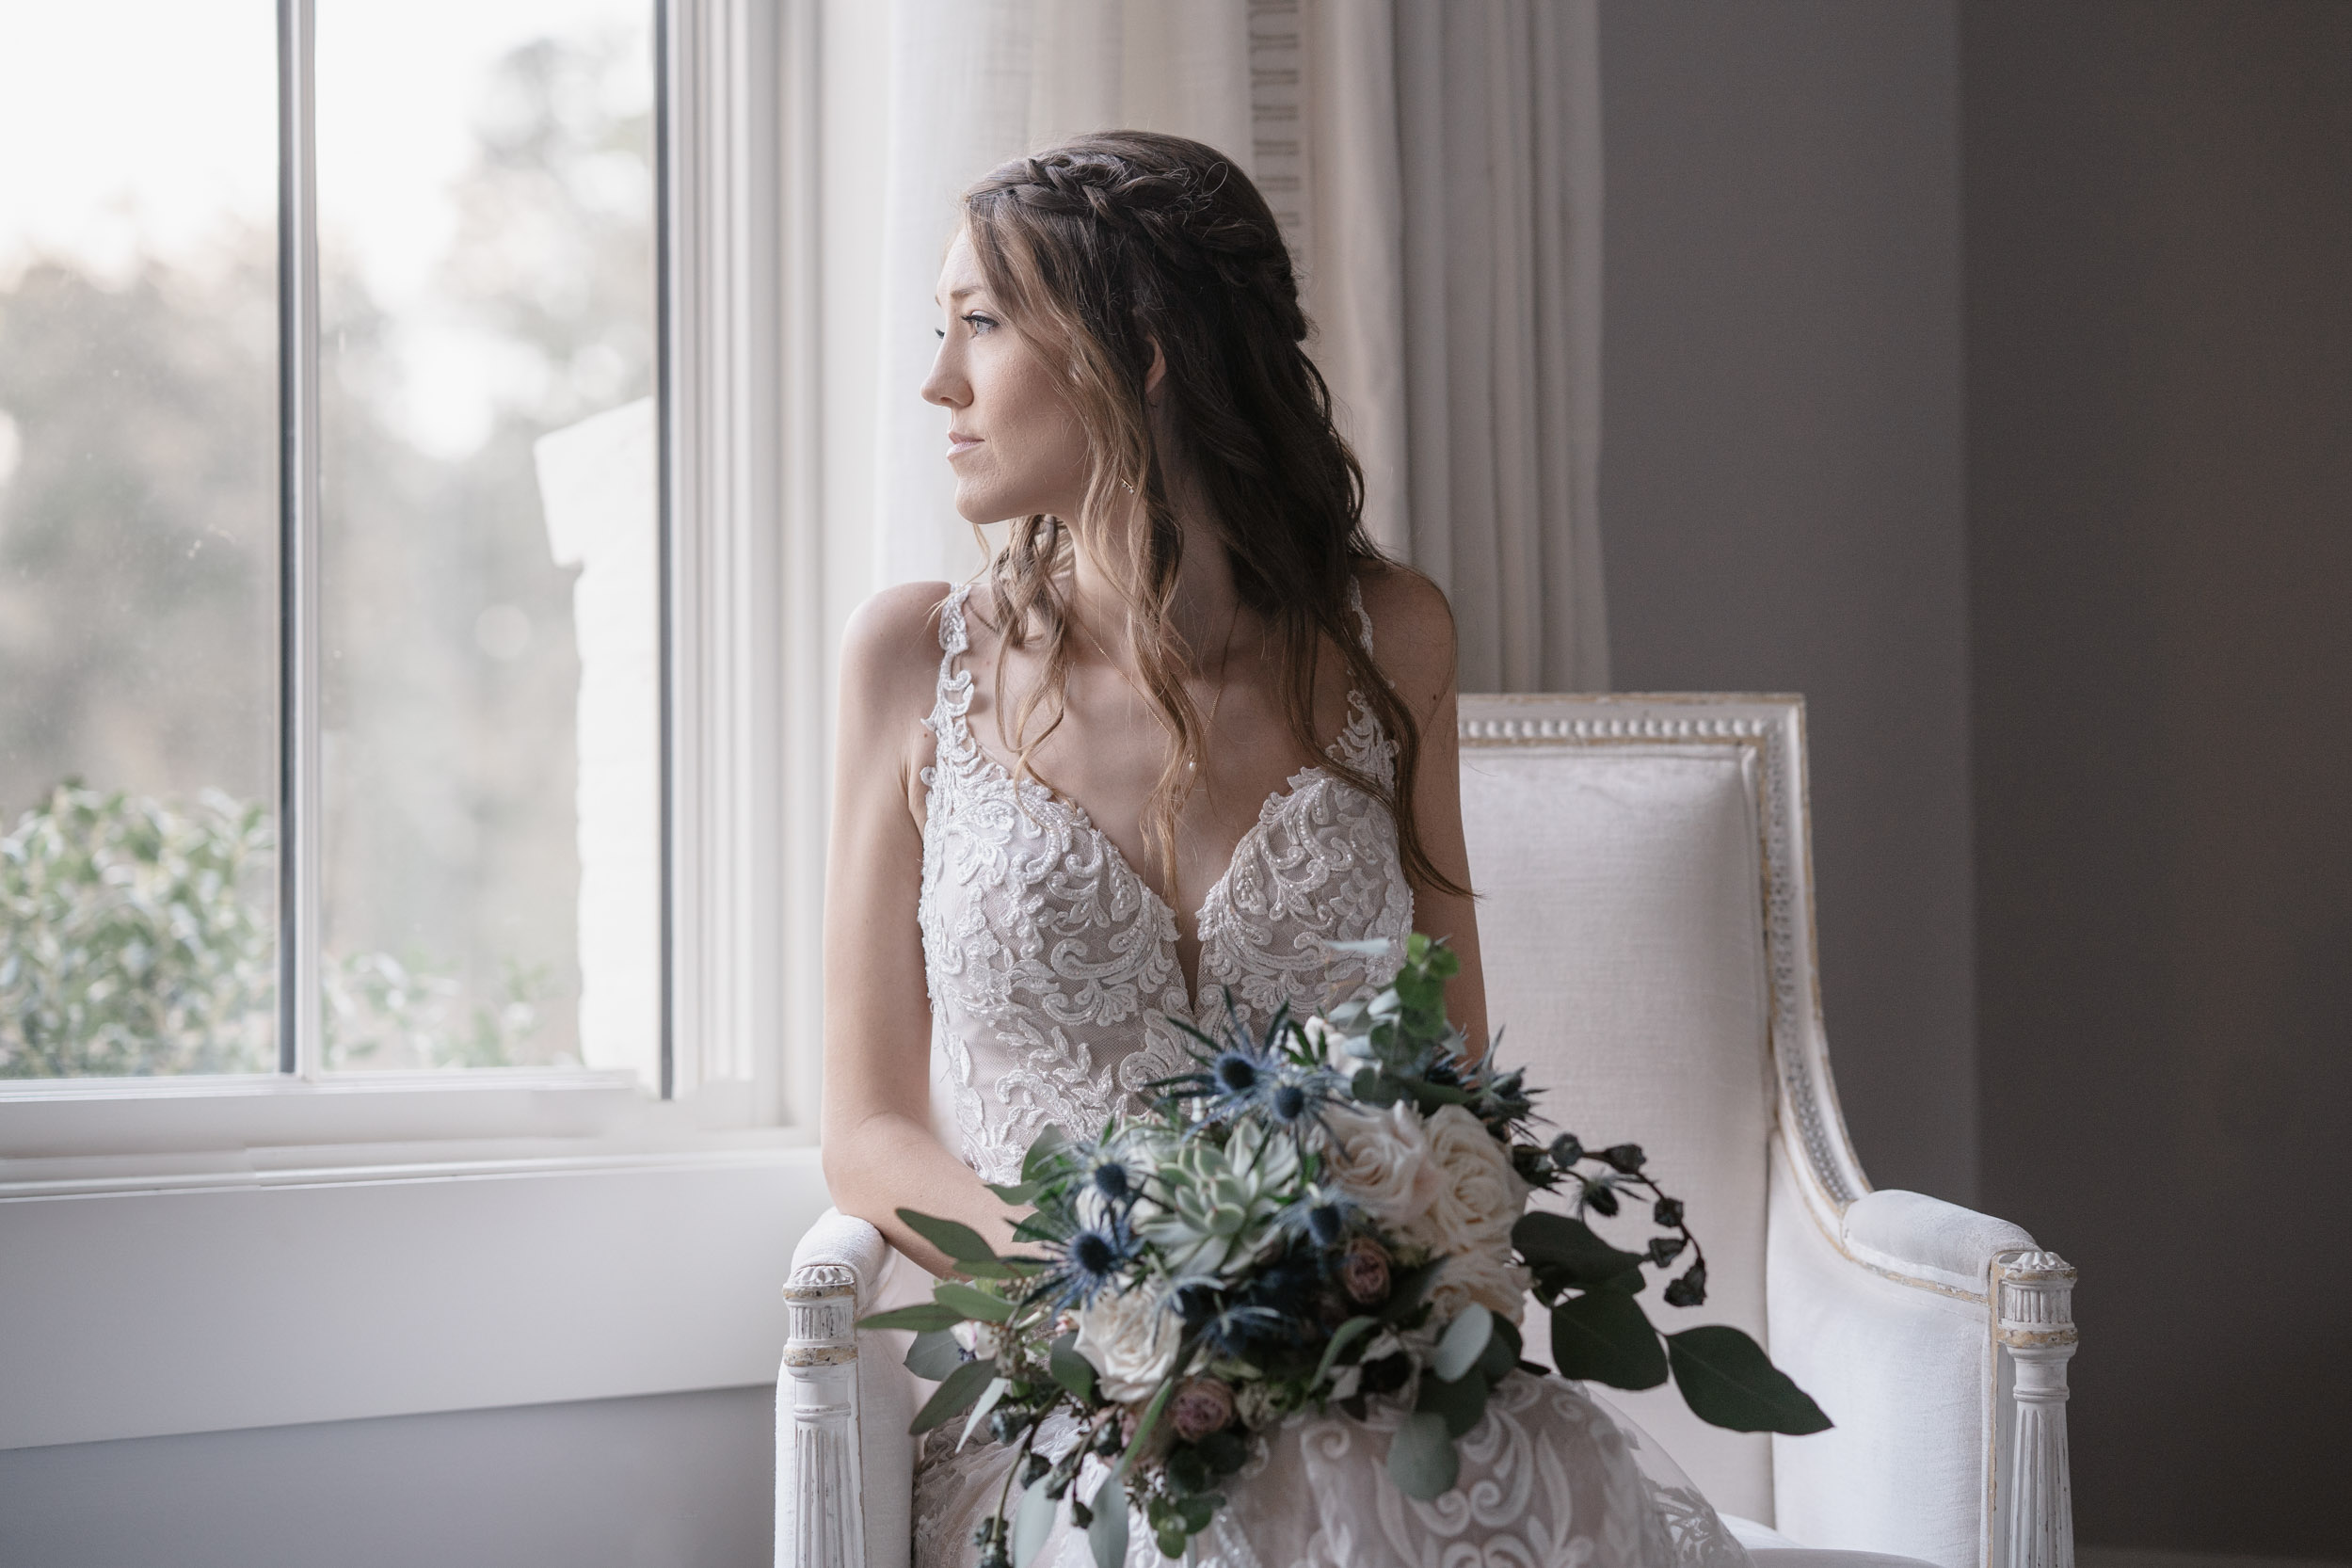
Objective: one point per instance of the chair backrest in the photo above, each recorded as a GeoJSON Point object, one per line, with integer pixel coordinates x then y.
{"type": "Point", "coordinates": [1645, 916]}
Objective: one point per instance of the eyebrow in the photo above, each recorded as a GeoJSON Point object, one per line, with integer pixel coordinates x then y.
{"type": "Point", "coordinates": [959, 293]}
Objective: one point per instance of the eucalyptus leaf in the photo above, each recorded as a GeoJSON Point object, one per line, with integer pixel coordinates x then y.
{"type": "Point", "coordinates": [1502, 1350]}
{"type": "Point", "coordinates": [1106, 1531]}
{"type": "Point", "coordinates": [1341, 1337]}
{"type": "Point", "coordinates": [1033, 1522]}
{"type": "Point", "coordinates": [989, 1398]}
{"type": "Point", "coordinates": [1024, 1191]}
{"type": "Point", "coordinates": [1050, 1145]}
{"type": "Point", "coordinates": [1421, 1457]}
{"type": "Point", "coordinates": [1461, 1403]}
{"type": "Point", "coordinates": [1567, 1248]}
{"type": "Point", "coordinates": [924, 1317]}
{"type": "Point", "coordinates": [1464, 1342]}
{"type": "Point", "coordinates": [1606, 1337]}
{"type": "Point", "coordinates": [1728, 1381]}
{"type": "Point", "coordinates": [1070, 1370]}
{"type": "Point", "coordinates": [955, 1396]}
{"type": "Point", "coordinates": [933, 1355]}
{"type": "Point", "coordinates": [958, 1240]}
{"type": "Point", "coordinates": [972, 1302]}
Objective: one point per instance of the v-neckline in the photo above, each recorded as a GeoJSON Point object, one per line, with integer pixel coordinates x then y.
{"type": "Point", "coordinates": [1083, 821]}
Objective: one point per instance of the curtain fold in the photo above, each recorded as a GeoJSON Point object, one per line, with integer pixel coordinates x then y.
{"type": "Point", "coordinates": [1437, 165]}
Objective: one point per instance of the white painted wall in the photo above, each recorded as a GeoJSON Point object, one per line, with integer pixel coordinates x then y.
{"type": "Point", "coordinates": [675, 1480]}
{"type": "Point", "coordinates": [1782, 483]}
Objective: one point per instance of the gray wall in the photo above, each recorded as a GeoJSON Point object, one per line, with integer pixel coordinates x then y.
{"type": "Point", "coordinates": [681, 1481]}
{"type": "Point", "coordinates": [2159, 262]}
{"type": "Point", "coordinates": [1780, 480]}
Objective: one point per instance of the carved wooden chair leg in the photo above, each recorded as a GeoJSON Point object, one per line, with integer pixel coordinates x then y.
{"type": "Point", "coordinates": [2037, 1329]}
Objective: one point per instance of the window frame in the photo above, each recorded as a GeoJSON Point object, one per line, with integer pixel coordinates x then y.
{"type": "Point", "coordinates": [741, 831]}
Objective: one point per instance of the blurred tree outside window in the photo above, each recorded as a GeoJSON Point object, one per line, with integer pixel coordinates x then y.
{"type": "Point", "coordinates": [486, 257]}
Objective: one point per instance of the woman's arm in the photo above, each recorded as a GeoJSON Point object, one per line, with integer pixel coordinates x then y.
{"type": "Point", "coordinates": [1413, 642]}
{"type": "Point", "coordinates": [880, 1154]}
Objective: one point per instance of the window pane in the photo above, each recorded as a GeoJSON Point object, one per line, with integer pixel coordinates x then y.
{"type": "Point", "coordinates": [486, 193]}
{"type": "Point", "coordinates": [138, 527]}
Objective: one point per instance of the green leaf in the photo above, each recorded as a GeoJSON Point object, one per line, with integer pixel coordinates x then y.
{"type": "Point", "coordinates": [1405, 1290]}
{"type": "Point", "coordinates": [972, 1302]}
{"type": "Point", "coordinates": [1606, 1337]}
{"type": "Point", "coordinates": [1048, 1146]}
{"type": "Point", "coordinates": [1421, 1457]}
{"type": "Point", "coordinates": [1224, 1453]}
{"type": "Point", "coordinates": [1341, 1337]}
{"type": "Point", "coordinates": [989, 1398]}
{"type": "Point", "coordinates": [949, 1399]}
{"type": "Point", "coordinates": [1106, 1532]}
{"type": "Point", "coordinates": [1502, 1350]}
{"type": "Point", "coordinates": [1463, 1343]}
{"type": "Point", "coordinates": [958, 1240]}
{"type": "Point", "coordinates": [1568, 1249]}
{"type": "Point", "coordinates": [1461, 1403]}
{"type": "Point", "coordinates": [924, 1317]}
{"type": "Point", "coordinates": [1144, 1428]}
{"type": "Point", "coordinates": [1034, 1523]}
{"type": "Point", "coordinates": [1728, 1381]}
{"type": "Point", "coordinates": [1025, 1191]}
{"type": "Point", "coordinates": [933, 1355]}
{"type": "Point", "coordinates": [1070, 1370]}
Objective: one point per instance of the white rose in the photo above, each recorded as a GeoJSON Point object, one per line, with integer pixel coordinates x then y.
{"type": "Point", "coordinates": [1487, 1275]}
{"type": "Point", "coordinates": [1132, 1340]}
{"type": "Point", "coordinates": [982, 1339]}
{"type": "Point", "coordinates": [1381, 1160]}
{"type": "Point", "coordinates": [1479, 1197]}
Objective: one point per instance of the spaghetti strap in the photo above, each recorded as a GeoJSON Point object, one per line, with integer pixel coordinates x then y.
{"type": "Point", "coordinates": [952, 697]}
{"type": "Point", "coordinates": [1363, 618]}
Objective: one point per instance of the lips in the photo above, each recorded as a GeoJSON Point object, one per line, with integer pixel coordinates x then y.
{"type": "Point", "coordinates": [959, 443]}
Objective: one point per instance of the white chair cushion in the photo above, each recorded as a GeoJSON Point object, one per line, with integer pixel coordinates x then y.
{"type": "Point", "coordinates": [1621, 918]}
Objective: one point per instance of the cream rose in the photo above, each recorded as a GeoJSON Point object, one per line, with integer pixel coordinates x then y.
{"type": "Point", "coordinates": [1132, 1341]}
{"type": "Point", "coordinates": [1380, 1159]}
{"type": "Point", "coordinates": [1485, 1274]}
{"type": "Point", "coordinates": [1479, 1197]}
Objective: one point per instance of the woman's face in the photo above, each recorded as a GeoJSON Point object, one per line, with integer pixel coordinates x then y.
{"type": "Point", "coordinates": [1013, 440]}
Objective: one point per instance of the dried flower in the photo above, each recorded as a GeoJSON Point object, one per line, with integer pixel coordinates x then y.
{"type": "Point", "coordinates": [1201, 1406]}
{"type": "Point", "coordinates": [1364, 1272]}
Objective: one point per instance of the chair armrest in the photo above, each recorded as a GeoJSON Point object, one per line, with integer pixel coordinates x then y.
{"type": "Point", "coordinates": [844, 1463]}
{"type": "Point", "coordinates": [1936, 1338]}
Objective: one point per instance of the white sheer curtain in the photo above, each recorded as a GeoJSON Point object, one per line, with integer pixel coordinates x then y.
{"type": "Point", "coordinates": [1437, 166]}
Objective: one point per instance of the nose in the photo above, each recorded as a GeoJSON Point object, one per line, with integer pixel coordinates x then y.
{"type": "Point", "coordinates": [945, 385]}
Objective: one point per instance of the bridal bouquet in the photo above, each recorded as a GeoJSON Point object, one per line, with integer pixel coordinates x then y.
{"type": "Point", "coordinates": [1326, 1215]}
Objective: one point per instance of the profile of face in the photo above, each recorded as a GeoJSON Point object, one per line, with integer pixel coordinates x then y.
{"type": "Point", "coordinates": [1013, 440]}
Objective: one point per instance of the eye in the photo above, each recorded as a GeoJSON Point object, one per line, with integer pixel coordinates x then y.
{"type": "Point", "coordinates": [941, 332]}
{"type": "Point", "coordinates": [978, 322]}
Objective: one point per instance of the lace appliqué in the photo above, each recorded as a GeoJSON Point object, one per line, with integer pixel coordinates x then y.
{"type": "Point", "coordinates": [1051, 964]}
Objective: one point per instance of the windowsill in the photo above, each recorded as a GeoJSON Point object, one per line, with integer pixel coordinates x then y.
{"type": "Point", "coordinates": [74, 1120]}
{"type": "Point", "coordinates": [208, 1260]}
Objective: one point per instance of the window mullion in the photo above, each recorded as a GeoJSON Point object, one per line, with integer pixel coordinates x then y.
{"type": "Point", "coordinates": [299, 1016]}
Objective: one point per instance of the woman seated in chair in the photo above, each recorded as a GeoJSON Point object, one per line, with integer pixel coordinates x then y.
{"type": "Point", "coordinates": [1186, 731]}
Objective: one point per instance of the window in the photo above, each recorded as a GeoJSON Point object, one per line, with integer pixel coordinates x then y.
{"type": "Point", "coordinates": [330, 726]}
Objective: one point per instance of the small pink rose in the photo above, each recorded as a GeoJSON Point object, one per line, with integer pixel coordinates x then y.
{"type": "Point", "coordinates": [1201, 1406]}
{"type": "Point", "coordinates": [1364, 1272]}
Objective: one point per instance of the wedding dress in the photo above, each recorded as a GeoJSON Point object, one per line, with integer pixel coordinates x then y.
{"type": "Point", "coordinates": [1053, 979]}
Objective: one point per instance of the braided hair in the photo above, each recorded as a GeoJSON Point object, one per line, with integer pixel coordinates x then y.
{"type": "Point", "coordinates": [1108, 247]}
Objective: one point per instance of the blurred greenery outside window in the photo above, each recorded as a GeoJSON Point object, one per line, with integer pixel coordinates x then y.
{"type": "Point", "coordinates": [486, 260]}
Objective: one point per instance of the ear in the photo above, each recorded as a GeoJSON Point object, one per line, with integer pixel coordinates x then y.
{"type": "Point", "coordinates": [1158, 373]}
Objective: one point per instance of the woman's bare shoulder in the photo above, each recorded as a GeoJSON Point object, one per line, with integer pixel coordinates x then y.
{"type": "Point", "coordinates": [890, 647]}
{"type": "Point", "coordinates": [1413, 629]}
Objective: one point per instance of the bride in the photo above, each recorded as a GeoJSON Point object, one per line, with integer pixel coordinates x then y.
{"type": "Point", "coordinates": [1187, 731]}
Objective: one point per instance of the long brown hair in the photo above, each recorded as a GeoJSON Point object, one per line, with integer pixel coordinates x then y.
{"type": "Point", "coordinates": [1099, 249]}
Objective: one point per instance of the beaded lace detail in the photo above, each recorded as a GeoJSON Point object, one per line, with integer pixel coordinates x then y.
{"type": "Point", "coordinates": [1052, 964]}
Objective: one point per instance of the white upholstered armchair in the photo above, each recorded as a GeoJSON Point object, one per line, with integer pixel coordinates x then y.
{"type": "Point", "coordinates": [1645, 871]}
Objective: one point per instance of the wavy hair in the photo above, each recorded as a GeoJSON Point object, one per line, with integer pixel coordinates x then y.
{"type": "Point", "coordinates": [1099, 249]}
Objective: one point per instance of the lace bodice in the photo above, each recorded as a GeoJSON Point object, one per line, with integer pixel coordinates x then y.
{"type": "Point", "coordinates": [1052, 964]}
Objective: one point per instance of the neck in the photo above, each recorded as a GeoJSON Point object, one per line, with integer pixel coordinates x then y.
{"type": "Point", "coordinates": [1204, 609]}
